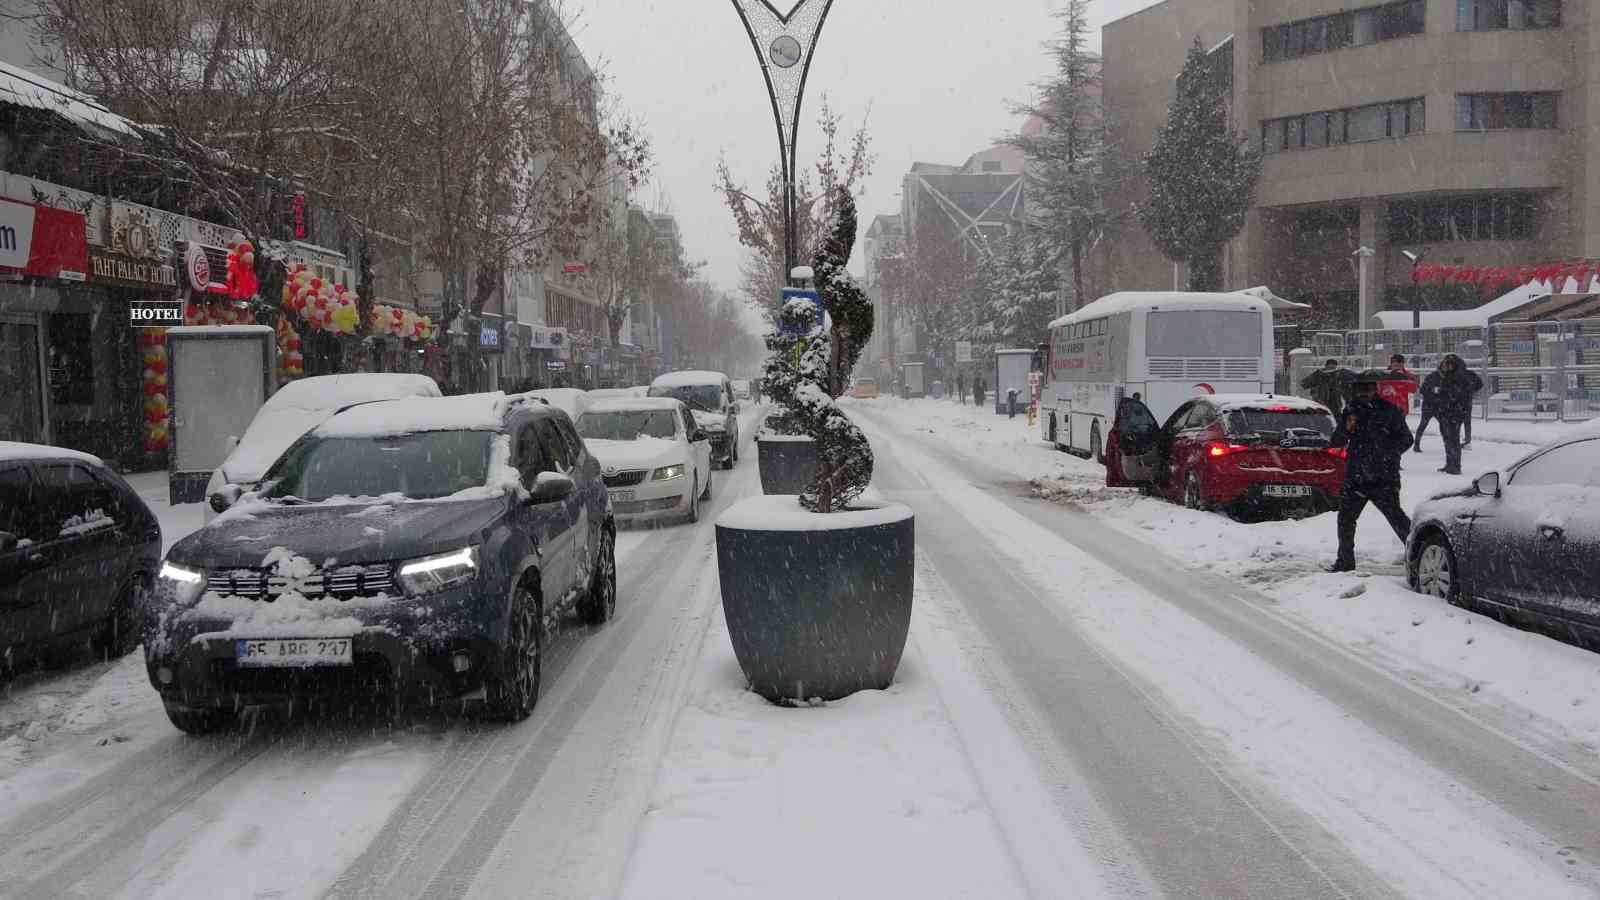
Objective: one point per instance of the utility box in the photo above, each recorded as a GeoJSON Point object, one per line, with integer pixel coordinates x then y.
{"type": "Point", "coordinates": [1011, 368]}
{"type": "Point", "coordinates": [911, 380]}
{"type": "Point", "coordinates": [220, 375]}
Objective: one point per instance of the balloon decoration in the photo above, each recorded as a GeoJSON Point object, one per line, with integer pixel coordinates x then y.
{"type": "Point", "coordinates": [153, 358]}
{"type": "Point", "coordinates": [221, 312]}
{"type": "Point", "coordinates": [321, 304]}
{"type": "Point", "coordinates": [242, 284]}
{"type": "Point", "coordinates": [401, 323]}
{"type": "Point", "coordinates": [291, 363]}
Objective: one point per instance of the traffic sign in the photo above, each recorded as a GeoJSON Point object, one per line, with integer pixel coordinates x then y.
{"type": "Point", "coordinates": [963, 351]}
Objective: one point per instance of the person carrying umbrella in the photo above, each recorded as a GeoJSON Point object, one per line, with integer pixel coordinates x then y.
{"type": "Point", "coordinates": [1327, 385]}
{"type": "Point", "coordinates": [1374, 434]}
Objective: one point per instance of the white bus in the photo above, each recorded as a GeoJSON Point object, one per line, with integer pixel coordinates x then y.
{"type": "Point", "coordinates": [1163, 346]}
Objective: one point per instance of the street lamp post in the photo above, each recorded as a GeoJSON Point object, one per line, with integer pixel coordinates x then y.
{"type": "Point", "coordinates": [1416, 294]}
{"type": "Point", "coordinates": [784, 44]}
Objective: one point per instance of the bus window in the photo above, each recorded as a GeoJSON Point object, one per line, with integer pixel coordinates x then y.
{"type": "Point", "coordinates": [1202, 333]}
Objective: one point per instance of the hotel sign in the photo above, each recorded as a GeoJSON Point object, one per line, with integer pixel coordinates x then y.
{"type": "Point", "coordinates": [121, 269]}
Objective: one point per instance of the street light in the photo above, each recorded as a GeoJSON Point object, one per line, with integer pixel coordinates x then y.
{"type": "Point", "coordinates": [1416, 258]}
{"type": "Point", "coordinates": [784, 43]}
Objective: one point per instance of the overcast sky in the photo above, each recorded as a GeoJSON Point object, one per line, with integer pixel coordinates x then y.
{"type": "Point", "coordinates": [934, 79]}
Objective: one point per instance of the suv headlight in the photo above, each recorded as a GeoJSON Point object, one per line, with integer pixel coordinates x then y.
{"type": "Point", "coordinates": [428, 574]}
{"type": "Point", "coordinates": [667, 473]}
{"type": "Point", "coordinates": [183, 585]}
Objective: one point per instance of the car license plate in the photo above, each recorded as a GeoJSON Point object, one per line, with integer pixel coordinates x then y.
{"type": "Point", "coordinates": [622, 496]}
{"type": "Point", "coordinates": [1286, 490]}
{"type": "Point", "coordinates": [294, 652]}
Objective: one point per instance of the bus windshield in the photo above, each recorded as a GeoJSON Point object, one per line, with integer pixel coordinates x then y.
{"type": "Point", "coordinates": [1203, 333]}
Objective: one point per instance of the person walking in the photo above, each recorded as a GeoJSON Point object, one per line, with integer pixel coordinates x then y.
{"type": "Point", "coordinates": [977, 391]}
{"type": "Point", "coordinates": [1327, 385]}
{"type": "Point", "coordinates": [1430, 389]}
{"type": "Point", "coordinates": [1398, 384]}
{"type": "Point", "coordinates": [1452, 400]}
{"type": "Point", "coordinates": [1374, 434]}
{"type": "Point", "coordinates": [961, 388]}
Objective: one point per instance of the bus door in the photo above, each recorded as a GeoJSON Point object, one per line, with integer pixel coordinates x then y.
{"type": "Point", "coordinates": [1133, 449]}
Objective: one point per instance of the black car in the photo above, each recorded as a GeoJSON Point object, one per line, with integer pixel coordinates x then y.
{"type": "Point", "coordinates": [408, 548]}
{"type": "Point", "coordinates": [78, 548]}
{"type": "Point", "coordinates": [1523, 545]}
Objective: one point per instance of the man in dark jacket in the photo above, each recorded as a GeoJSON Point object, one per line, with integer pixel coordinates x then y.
{"type": "Point", "coordinates": [1430, 387]}
{"type": "Point", "coordinates": [1327, 385]}
{"type": "Point", "coordinates": [1374, 435]}
{"type": "Point", "coordinates": [1452, 392]}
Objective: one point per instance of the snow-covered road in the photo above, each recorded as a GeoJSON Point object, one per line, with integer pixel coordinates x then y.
{"type": "Point", "coordinates": [1079, 713]}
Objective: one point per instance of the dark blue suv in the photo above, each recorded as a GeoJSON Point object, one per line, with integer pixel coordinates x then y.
{"type": "Point", "coordinates": [406, 548]}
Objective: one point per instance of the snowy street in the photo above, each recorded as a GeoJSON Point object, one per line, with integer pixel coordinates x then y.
{"type": "Point", "coordinates": [1078, 713]}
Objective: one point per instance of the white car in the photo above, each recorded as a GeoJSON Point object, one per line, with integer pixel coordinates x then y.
{"type": "Point", "coordinates": [741, 389]}
{"type": "Point", "coordinates": [655, 459]}
{"type": "Point", "coordinates": [295, 409]}
{"type": "Point", "coordinates": [709, 395]}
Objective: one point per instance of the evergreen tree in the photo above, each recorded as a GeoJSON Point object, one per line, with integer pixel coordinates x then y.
{"type": "Point", "coordinates": [1070, 172]}
{"type": "Point", "coordinates": [1202, 175]}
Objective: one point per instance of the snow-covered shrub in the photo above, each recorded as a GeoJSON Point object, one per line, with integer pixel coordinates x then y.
{"type": "Point", "coordinates": [810, 363]}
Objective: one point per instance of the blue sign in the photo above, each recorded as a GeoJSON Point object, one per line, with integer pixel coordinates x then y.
{"type": "Point", "coordinates": [1521, 347]}
{"type": "Point", "coordinates": [489, 336]}
{"type": "Point", "coordinates": [788, 294]}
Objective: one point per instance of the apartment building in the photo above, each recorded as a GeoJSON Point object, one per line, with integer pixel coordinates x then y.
{"type": "Point", "coordinates": [1460, 129]}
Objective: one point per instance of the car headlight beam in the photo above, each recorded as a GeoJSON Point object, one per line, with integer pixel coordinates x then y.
{"type": "Point", "coordinates": [185, 585]}
{"type": "Point", "coordinates": [667, 473]}
{"type": "Point", "coordinates": [436, 573]}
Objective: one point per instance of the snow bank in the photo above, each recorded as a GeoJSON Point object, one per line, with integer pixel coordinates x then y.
{"type": "Point", "coordinates": [783, 512]}
{"type": "Point", "coordinates": [472, 412]}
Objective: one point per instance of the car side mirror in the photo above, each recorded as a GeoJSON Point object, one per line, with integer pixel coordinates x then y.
{"type": "Point", "coordinates": [224, 497]}
{"type": "Point", "coordinates": [550, 487]}
{"type": "Point", "coordinates": [1488, 484]}
{"type": "Point", "coordinates": [8, 541]}
{"type": "Point", "coordinates": [699, 434]}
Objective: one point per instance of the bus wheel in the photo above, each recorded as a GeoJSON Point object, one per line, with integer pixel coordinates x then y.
{"type": "Point", "coordinates": [1094, 444]}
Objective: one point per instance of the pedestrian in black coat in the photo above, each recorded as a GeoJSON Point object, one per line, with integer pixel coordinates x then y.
{"type": "Point", "coordinates": [1430, 387]}
{"type": "Point", "coordinates": [977, 392]}
{"type": "Point", "coordinates": [1452, 388]}
{"type": "Point", "coordinates": [1327, 385]}
{"type": "Point", "coordinates": [961, 387]}
{"type": "Point", "coordinates": [1374, 435]}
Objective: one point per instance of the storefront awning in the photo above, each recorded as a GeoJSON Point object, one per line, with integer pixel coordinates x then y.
{"type": "Point", "coordinates": [43, 241]}
{"type": "Point", "coordinates": [21, 87]}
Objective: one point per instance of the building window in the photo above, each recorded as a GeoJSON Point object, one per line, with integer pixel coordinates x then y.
{"type": "Point", "coordinates": [1481, 217]}
{"type": "Point", "coordinates": [1395, 119]}
{"type": "Point", "coordinates": [1496, 15]}
{"type": "Point", "coordinates": [1493, 112]}
{"type": "Point", "coordinates": [1347, 29]}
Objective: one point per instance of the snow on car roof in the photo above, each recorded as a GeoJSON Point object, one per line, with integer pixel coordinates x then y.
{"type": "Point", "coordinates": [1125, 301]}
{"type": "Point", "coordinates": [1262, 401]}
{"type": "Point", "coordinates": [631, 404]}
{"type": "Point", "coordinates": [328, 391]}
{"type": "Point", "coordinates": [17, 450]}
{"type": "Point", "coordinates": [690, 378]}
{"type": "Point", "coordinates": [470, 412]}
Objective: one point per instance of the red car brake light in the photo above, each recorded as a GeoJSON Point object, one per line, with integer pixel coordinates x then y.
{"type": "Point", "coordinates": [1338, 452]}
{"type": "Point", "coordinates": [1218, 448]}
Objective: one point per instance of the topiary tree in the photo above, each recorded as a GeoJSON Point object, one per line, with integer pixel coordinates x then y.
{"type": "Point", "coordinates": [810, 361]}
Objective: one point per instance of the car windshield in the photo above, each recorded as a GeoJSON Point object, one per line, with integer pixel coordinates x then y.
{"type": "Point", "coordinates": [1259, 421]}
{"type": "Point", "coordinates": [627, 425]}
{"type": "Point", "coordinates": [420, 466]}
{"type": "Point", "coordinates": [704, 397]}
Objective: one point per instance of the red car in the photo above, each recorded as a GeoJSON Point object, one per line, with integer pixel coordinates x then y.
{"type": "Point", "coordinates": [1233, 451]}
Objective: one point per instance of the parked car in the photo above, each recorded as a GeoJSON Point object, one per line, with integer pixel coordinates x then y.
{"type": "Point", "coordinates": [864, 388]}
{"type": "Point", "coordinates": [1523, 544]}
{"type": "Point", "coordinates": [572, 401]}
{"type": "Point", "coordinates": [599, 395]}
{"type": "Point", "coordinates": [709, 396]}
{"type": "Point", "coordinates": [294, 409]}
{"type": "Point", "coordinates": [415, 545]}
{"type": "Point", "coordinates": [741, 389]}
{"type": "Point", "coordinates": [654, 458]}
{"type": "Point", "coordinates": [1234, 451]}
{"type": "Point", "coordinates": [78, 550]}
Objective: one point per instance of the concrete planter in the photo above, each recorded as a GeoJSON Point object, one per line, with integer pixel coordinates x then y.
{"type": "Point", "coordinates": [818, 606]}
{"type": "Point", "coordinates": [788, 464]}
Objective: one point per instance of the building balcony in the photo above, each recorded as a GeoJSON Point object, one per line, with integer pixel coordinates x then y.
{"type": "Point", "coordinates": [1421, 163]}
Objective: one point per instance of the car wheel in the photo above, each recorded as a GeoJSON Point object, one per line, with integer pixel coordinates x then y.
{"type": "Point", "coordinates": [200, 721]}
{"type": "Point", "coordinates": [1436, 569]}
{"type": "Point", "coordinates": [694, 501]}
{"type": "Point", "coordinates": [1095, 451]}
{"type": "Point", "coordinates": [733, 454]}
{"type": "Point", "coordinates": [600, 603]}
{"type": "Point", "coordinates": [120, 633]}
{"type": "Point", "coordinates": [510, 694]}
{"type": "Point", "coordinates": [1193, 496]}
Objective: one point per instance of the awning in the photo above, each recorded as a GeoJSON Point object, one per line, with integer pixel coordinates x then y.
{"type": "Point", "coordinates": [1262, 292]}
{"type": "Point", "coordinates": [24, 88]}
{"type": "Point", "coordinates": [43, 241]}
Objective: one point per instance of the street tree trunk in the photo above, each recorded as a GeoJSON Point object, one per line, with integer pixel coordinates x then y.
{"type": "Point", "coordinates": [1205, 270]}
